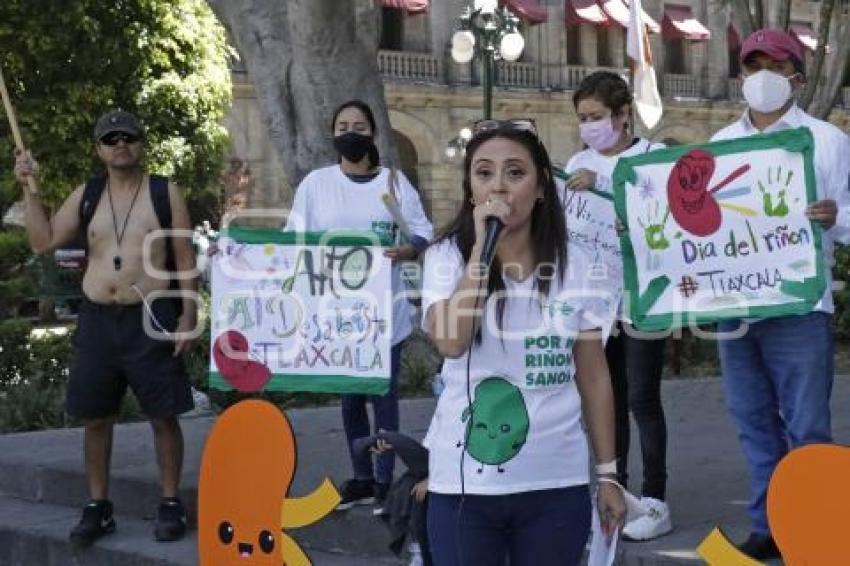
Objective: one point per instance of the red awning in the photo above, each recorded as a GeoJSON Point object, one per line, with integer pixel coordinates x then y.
{"type": "Point", "coordinates": [680, 23]}
{"type": "Point", "coordinates": [618, 10]}
{"type": "Point", "coordinates": [584, 12]}
{"type": "Point", "coordinates": [805, 35]}
{"type": "Point", "coordinates": [411, 6]}
{"type": "Point", "coordinates": [733, 38]}
{"type": "Point", "coordinates": [528, 10]}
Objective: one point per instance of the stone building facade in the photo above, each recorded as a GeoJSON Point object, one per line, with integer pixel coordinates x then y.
{"type": "Point", "coordinates": [430, 98]}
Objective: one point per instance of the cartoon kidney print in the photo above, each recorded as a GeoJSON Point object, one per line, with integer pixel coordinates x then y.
{"type": "Point", "coordinates": [232, 356]}
{"type": "Point", "coordinates": [497, 423]}
{"type": "Point", "coordinates": [691, 203]}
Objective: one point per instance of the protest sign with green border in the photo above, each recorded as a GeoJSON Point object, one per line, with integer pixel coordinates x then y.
{"type": "Point", "coordinates": [301, 312]}
{"type": "Point", "coordinates": [718, 231]}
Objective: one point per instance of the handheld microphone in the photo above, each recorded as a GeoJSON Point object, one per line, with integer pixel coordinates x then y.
{"type": "Point", "coordinates": [492, 228]}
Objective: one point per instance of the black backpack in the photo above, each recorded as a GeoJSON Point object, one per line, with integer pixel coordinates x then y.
{"type": "Point", "coordinates": [161, 205]}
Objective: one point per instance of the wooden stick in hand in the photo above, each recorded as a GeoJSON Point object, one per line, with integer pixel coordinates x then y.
{"type": "Point", "coordinates": [13, 125]}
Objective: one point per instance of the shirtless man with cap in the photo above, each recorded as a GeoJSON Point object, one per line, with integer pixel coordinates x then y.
{"type": "Point", "coordinates": [124, 336]}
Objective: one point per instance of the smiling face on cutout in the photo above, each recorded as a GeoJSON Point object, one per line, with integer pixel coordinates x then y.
{"type": "Point", "coordinates": [691, 204]}
{"type": "Point", "coordinates": [248, 465]}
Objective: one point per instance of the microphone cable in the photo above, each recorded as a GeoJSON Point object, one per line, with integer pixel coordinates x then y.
{"type": "Point", "coordinates": [471, 412]}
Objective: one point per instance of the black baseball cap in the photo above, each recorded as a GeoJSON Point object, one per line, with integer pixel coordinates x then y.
{"type": "Point", "coordinates": [118, 121]}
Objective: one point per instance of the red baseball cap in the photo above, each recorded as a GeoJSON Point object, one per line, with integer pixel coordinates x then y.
{"type": "Point", "coordinates": [775, 43]}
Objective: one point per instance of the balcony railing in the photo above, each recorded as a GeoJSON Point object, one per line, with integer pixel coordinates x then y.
{"type": "Point", "coordinates": [735, 90]}
{"type": "Point", "coordinates": [574, 74]}
{"type": "Point", "coordinates": [681, 86]}
{"type": "Point", "coordinates": [521, 75]}
{"type": "Point", "coordinates": [403, 65]}
{"type": "Point", "coordinates": [425, 68]}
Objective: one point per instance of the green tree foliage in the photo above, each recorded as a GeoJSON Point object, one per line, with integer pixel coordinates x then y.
{"type": "Point", "coordinates": [68, 62]}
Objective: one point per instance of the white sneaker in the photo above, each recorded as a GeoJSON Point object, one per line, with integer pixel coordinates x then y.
{"type": "Point", "coordinates": [203, 407]}
{"type": "Point", "coordinates": [415, 554]}
{"type": "Point", "coordinates": [655, 523]}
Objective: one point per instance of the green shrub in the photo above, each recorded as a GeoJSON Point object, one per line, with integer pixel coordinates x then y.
{"type": "Point", "coordinates": [692, 356]}
{"type": "Point", "coordinates": [34, 373]}
{"type": "Point", "coordinates": [16, 282]}
{"type": "Point", "coordinates": [33, 379]}
{"type": "Point", "coordinates": [841, 272]}
{"type": "Point", "coordinates": [419, 362]}
{"type": "Point", "coordinates": [14, 250]}
{"type": "Point", "coordinates": [14, 351]}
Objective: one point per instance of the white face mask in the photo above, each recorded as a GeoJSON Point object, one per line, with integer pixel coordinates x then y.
{"type": "Point", "coordinates": [766, 91]}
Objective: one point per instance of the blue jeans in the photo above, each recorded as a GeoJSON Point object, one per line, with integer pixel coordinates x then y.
{"type": "Point", "coordinates": [778, 380]}
{"type": "Point", "coordinates": [355, 420]}
{"type": "Point", "coordinates": [533, 528]}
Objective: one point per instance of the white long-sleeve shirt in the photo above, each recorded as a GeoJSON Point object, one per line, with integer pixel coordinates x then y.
{"type": "Point", "coordinates": [832, 175]}
{"type": "Point", "coordinates": [328, 200]}
{"type": "Point", "coordinates": [591, 218]}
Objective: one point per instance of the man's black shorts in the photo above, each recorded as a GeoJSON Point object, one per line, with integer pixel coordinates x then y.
{"type": "Point", "coordinates": [113, 350]}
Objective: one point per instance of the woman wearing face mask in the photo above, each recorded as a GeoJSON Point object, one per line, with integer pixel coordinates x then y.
{"type": "Point", "coordinates": [347, 196]}
{"type": "Point", "coordinates": [778, 375]}
{"type": "Point", "coordinates": [603, 104]}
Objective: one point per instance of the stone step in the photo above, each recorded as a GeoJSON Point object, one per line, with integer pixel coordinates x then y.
{"type": "Point", "coordinates": [46, 467]}
{"type": "Point", "coordinates": [707, 479]}
{"type": "Point", "coordinates": [36, 534]}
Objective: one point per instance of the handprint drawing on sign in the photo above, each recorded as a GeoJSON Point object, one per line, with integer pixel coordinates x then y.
{"type": "Point", "coordinates": [653, 230]}
{"type": "Point", "coordinates": [776, 188]}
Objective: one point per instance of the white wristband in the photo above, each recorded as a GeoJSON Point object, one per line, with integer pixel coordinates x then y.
{"type": "Point", "coordinates": [606, 468]}
{"type": "Point", "coordinates": [613, 482]}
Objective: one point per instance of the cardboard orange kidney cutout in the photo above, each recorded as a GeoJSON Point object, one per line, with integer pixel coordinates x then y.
{"type": "Point", "coordinates": [247, 468]}
{"type": "Point", "coordinates": [807, 505]}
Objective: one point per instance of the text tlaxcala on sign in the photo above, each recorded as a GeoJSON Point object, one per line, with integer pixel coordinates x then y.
{"type": "Point", "coordinates": [718, 231]}
{"type": "Point", "coordinates": [300, 312]}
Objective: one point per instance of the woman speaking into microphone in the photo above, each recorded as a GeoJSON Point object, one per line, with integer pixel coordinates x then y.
{"type": "Point", "coordinates": [524, 363]}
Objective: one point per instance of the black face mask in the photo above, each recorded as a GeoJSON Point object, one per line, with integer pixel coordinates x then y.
{"type": "Point", "coordinates": [354, 147]}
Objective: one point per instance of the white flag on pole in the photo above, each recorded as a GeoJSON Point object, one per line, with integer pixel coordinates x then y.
{"type": "Point", "coordinates": [647, 99]}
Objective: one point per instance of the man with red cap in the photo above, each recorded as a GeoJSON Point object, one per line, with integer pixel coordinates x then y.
{"type": "Point", "coordinates": [778, 374]}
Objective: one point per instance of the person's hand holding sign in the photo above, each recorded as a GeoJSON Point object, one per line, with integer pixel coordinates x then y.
{"type": "Point", "coordinates": [402, 253]}
{"type": "Point", "coordinates": [823, 212]}
{"type": "Point", "coordinates": [581, 180]}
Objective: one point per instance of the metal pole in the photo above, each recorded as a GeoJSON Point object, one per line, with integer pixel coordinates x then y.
{"type": "Point", "coordinates": [488, 83]}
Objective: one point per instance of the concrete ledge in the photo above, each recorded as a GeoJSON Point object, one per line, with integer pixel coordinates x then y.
{"type": "Point", "coordinates": [707, 485]}
{"type": "Point", "coordinates": [36, 534]}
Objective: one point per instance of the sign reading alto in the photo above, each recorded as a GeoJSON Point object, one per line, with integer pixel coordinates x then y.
{"type": "Point", "coordinates": [718, 231]}
{"type": "Point", "coordinates": [301, 312]}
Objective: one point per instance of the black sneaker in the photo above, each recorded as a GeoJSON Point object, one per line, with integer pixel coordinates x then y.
{"type": "Point", "coordinates": [97, 521]}
{"type": "Point", "coordinates": [356, 492]}
{"type": "Point", "coordinates": [170, 520]}
{"type": "Point", "coordinates": [760, 547]}
{"type": "Point", "coordinates": [381, 490]}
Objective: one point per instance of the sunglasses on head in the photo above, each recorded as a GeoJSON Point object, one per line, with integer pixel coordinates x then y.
{"type": "Point", "coordinates": [519, 124]}
{"type": "Point", "coordinates": [115, 137]}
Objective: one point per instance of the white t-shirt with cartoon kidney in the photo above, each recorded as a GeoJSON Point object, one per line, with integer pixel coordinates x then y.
{"type": "Point", "coordinates": [524, 425]}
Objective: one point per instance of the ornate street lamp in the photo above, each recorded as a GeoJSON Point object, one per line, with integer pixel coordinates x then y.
{"type": "Point", "coordinates": [457, 145]}
{"type": "Point", "coordinates": [490, 32]}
